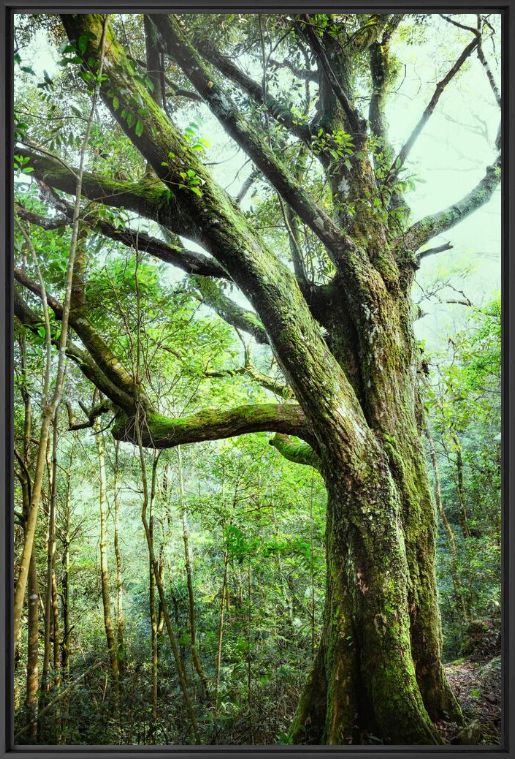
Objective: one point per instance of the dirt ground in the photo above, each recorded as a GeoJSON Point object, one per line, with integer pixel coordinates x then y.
{"type": "Point", "coordinates": [478, 688]}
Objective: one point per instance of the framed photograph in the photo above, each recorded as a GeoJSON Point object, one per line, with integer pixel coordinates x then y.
{"type": "Point", "coordinates": [258, 307]}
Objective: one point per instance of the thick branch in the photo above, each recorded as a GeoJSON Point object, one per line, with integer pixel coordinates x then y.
{"type": "Point", "coordinates": [213, 219]}
{"type": "Point", "coordinates": [295, 450]}
{"type": "Point", "coordinates": [212, 424]}
{"type": "Point", "coordinates": [148, 197]}
{"type": "Point", "coordinates": [278, 110]}
{"type": "Point", "coordinates": [230, 311]}
{"type": "Point", "coordinates": [435, 224]}
{"type": "Point", "coordinates": [245, 135]}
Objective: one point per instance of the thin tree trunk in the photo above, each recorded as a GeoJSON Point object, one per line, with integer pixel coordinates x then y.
{"type": "Point", "coordinates": [181, 672]}
{"type": "Point", "coordinates": [33, 648]}
{"type": "Point", "coordinates": [51, 546]}
{"type": "Point", "coordinates": [451, 538]}
{"type": "Point", "coordinates": [31, 697]}
{"type": "Point", "coordinates": [56, 658]}
{"type": "Point", "coordinates": [120, 620]}
{"type": "Point", "coordinates": [51, 401]}
{"type": "Point", "coordinates": [219, 648]}
{"type": "Point", "coordinates": [463, 511]}
{"type": "Point", "coordinates": [65, 578]}
{"type": "Point", "coordinates": [104, 566]}
{"type": "Point", "coordinates": [153, 626]}
{"type": "Point", "coordinates": [189, 579]}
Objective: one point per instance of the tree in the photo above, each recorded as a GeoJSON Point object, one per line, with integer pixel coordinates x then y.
{"type": "Point", "coordinates": [335, 312]}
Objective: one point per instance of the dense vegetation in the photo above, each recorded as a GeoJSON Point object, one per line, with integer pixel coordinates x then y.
{"type": "Point", "coordinates": [250, 506]}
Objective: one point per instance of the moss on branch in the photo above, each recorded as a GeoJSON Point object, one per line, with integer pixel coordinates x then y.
{"type": "Point", "coordinates": [158, 431]}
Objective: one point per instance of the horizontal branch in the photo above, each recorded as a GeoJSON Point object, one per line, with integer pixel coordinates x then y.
{"type": "Point", "coordinates": [437, 223]}
{"type": "Point", "coordinates": [41, 221]}
{"type": "Point", "coordinates": [192, 262]}
{"type": "Point", "coordinates": [213, 424]}
{"type": "Point", "coordinates": [148, 197]}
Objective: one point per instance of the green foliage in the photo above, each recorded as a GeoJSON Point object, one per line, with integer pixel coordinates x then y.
{"type": "Point", "coordinates": [463, 402]}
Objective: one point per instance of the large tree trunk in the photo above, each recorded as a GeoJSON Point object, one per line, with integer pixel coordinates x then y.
{"type": "Point", "coordinates": [364, 678]}
{"type": "Point", "coordinates": [378, 671]}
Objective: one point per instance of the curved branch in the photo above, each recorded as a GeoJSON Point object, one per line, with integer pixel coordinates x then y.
{"type": "Point", "coordinates": [434, 224]}
{"type": "Point", "coordinates": [296, 451]}
{"type": "Point", "coordinates": [94, 413]}
{"type": "Point", "coordinates": [262, 379]}
{"type": "Point", "coordinates": [227, 309]}
{"type": "Point", "coordinates": [158, 431]}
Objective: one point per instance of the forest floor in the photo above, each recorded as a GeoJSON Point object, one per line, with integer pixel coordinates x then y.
{"type": "Point", "coordinates": [477, 685]}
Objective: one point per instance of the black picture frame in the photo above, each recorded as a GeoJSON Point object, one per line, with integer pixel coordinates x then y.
{"type": "Point", "coordinates": [507, 9]}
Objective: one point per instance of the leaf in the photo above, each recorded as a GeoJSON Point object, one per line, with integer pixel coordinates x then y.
{"type": "Point", "coordinates": [138, 128]}
{"type": "Point", "coordinates": [83, 40]}
{"type": "Point", "coordinates": [116, 103]}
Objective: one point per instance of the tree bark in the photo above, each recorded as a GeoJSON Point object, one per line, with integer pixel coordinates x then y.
{"type": "Point", "coordinates": [31, 699]}
{"type": "Point", "coordinates": [51, 545]}
{"type": "Point", "coordinates": [189, 580]}
{"type": "Point", "coordinates": [104, 566]}
{"type": "Point", "coordinates": [120, 619]}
